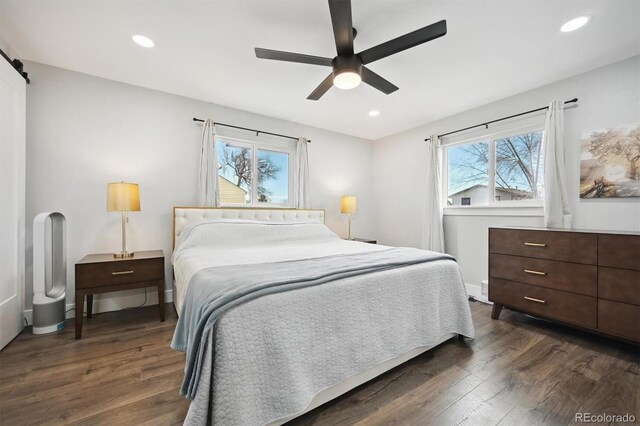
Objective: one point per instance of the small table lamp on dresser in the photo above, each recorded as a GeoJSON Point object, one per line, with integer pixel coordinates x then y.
{"type": "Point", "coordinates": [123, 197]}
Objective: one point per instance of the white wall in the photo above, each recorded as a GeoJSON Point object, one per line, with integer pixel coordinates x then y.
{"type": "Point", "coordinates": [608, 96]}
{"type": "Point", "coordinates": [84, 131]}
{"type": "Point", "coordinates": [6, 48]}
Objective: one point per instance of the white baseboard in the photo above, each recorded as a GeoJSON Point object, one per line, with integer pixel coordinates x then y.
{"type": "Point", "coordinates": [475, 291]}
{"type": "Point", "coordinates": [109, 302]}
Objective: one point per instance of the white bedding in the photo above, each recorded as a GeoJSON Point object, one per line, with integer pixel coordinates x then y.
{"type": "Point", "coordinates": [274, 355]}
{"type": "Point", "coordinates": [240, 245]}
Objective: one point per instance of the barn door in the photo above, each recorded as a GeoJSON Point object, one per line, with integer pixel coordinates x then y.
{"type": "Point", "coordinates": [12, 201]}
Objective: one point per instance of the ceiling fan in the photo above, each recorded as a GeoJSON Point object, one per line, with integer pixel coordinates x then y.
{"type": "Point", "coordinates": [349, 67]}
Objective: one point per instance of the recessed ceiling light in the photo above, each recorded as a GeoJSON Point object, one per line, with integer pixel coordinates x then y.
{"type": "Point", "coordinates": [142, 40]}
{"type": "Point", "coordinates": [574, 24]}
{"type": "Point", "coordinates": [374, 113]}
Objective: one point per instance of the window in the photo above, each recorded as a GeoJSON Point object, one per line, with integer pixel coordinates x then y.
{"type": "Point", "coordinates": [468, 173]}
{"type": "Point", "coordinates": [519, 167]}
{"type": "Point", "coordinates": [253, 174]}
{"type": "Point", "coordinates": [494, 171]}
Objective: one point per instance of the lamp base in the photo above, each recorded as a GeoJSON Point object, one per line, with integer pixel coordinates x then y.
{"type": "Point", "coordinates": [123, 255]}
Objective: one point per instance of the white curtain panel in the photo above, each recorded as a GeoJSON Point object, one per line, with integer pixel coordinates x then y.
{"type": "Point", "coordinates": [302, 196]}
{"type": "Point", "coordinates": [432, 231]}
{"type": "Point", "coordinates": [208, 192]}
{"type": "Point", "coordinates": [557, 212]}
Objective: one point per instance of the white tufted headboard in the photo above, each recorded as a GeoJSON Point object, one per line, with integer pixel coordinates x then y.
{"type": "Point", "coordinates": [183, 215]}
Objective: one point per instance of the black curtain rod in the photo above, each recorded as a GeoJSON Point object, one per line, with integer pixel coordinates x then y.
{"type": "Point", "coordinates": [16, 65]}
{"type": "Point", "coordinates": [486, 124]}
{"type": "Point", "coordinates": [249, 130]}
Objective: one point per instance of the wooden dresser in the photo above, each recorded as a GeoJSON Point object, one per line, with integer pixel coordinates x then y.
{"type": "Point", "coordinates": [586, 279]}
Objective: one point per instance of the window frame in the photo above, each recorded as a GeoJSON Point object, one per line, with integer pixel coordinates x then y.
{"type": "Point", "coordinates": [493, 207]}
{"type": "Point", "coordinates": [255, 146]}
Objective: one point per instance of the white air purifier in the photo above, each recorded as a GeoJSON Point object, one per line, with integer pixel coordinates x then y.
{"type": "Point", "coordinates": [49, 272]}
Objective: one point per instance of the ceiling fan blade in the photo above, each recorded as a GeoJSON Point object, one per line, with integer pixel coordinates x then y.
{"type": "Point", "coordinates": [322, 88]}
{"type": "Point", "coordinates": [374, 80]}
{"type": "Point", "coordinates": [404, 42]}
{"type": "Point", "coordinates": [278, 55]}
{"type": "Point", "coordinates": [342, 26]}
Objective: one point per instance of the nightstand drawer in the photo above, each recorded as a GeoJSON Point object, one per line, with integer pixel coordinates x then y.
{"type": "Point", "coordinates": [565, 276]}
{"type": "Point", "coordinates": [553, 304]}
{"type": "Point", "coordinates": [91, 275]}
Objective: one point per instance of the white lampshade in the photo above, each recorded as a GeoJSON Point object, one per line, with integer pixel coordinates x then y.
{"type": "Point", "coordinates": [349, 204]}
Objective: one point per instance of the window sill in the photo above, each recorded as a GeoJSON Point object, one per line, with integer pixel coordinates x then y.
{"type": "Point", "coordinates": [512, 210]}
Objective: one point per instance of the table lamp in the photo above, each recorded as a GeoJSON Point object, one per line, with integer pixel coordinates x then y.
{"type": "Point", "coordinates": [349, 206]}
{"type": "Point", "coordinates": [123, 197]}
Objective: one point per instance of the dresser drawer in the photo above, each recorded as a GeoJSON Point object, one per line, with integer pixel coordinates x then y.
{"type": "Point", "coordinates": [621, 319]}
{"type": "Point", "coordinates": [553, 245]}
{"type": "Point", "coordinates": [619, 251]}
{"type": "Point", "coordinates": [553, 304]}
{"type": "Point", "coordinates": [565, 276]}
{"type": "Point", "coordinates": [90, 275]}
{"type": "Point", "coordinates": [622, 285]}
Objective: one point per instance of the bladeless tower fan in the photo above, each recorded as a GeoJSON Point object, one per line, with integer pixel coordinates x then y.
{"type": "Point", "coordinates": [49, 272]}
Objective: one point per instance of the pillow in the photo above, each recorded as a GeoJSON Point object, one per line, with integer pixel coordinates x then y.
{"type": "Point", "coordinates": [238, 233]}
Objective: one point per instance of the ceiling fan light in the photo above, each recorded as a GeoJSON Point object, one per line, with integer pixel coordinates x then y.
{"type": "Point", "coordinates": [347, 80]}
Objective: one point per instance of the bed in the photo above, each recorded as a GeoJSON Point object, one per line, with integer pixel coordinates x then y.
{"type": "Point", "coordinates": [271, 353]}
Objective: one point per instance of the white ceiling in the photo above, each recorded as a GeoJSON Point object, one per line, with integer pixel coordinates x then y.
{"type": "Point", "coordinates": [204, 50]}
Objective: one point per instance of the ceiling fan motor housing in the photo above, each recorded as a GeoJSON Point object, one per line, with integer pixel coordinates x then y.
{"type": "Point", "coordinates": [342, 64]}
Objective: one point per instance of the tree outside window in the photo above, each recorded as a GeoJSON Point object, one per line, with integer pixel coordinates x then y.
{"type": "Point", "coordinates": [238, 165]}
{"type": "Point", "coordinates": [516, 161]}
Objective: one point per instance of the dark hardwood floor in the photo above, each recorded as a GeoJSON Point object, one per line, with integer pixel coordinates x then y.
{"type": "Point", "coordinates": [122, 372]}
{"type": "Point", "coordinates": [517, 371]}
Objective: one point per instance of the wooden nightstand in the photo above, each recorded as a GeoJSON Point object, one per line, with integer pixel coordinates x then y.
{"type": "Point", "coordinates": [103, 273]}
{"type": "Point", "coordinates": [365, 240]}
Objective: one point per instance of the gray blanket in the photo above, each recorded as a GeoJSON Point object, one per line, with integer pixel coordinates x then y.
{"type": "Point", "coordinates": [213, 291]}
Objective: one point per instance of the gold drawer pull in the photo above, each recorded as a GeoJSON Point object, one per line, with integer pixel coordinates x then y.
{"type": "Point", "coordinates": [122, 273]}
{"type": "Point", "coordinates": [535, 300]}
{"type": "Point", "coordinates": [529, 271]}
{"type": "Point", "coordinates": [535, 244]}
